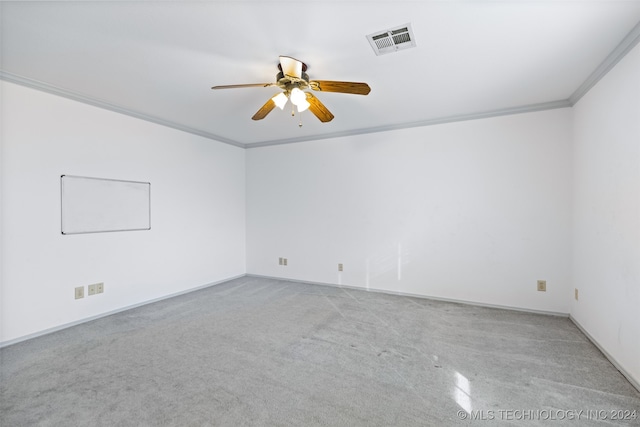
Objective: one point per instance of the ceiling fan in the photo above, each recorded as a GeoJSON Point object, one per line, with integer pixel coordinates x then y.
{"type": "Point", "coordinates": [293, 80]}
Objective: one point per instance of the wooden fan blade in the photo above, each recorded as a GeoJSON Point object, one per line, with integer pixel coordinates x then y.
{"type": "Point", "coordinates": [318, 109]}
{"type": "Point", "coordinates": [342, 87]}
{"type": "Point", "coordinates": [264, 110]}
{"type": "Point", "coordinates": [291, 67]}
{"type": "Point", "coordinates": [246, 85]}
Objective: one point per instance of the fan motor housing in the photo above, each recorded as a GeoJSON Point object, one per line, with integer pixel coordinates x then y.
{"type": "Point", "coordinates": [288, 83]}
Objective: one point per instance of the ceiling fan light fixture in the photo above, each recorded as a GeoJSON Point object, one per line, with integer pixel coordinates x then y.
{"type": "Point", "coordinates": [280, 100]}
{"type": "Point", "coordinates": [292, 80]}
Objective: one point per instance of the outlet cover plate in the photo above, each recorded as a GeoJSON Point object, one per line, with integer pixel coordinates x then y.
{"type": "Point", "coordinates": [542, 285]}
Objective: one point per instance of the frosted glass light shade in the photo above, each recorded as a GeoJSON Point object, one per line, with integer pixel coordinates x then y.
{"type": "Point", "coordinates": [280, 100]}
{"type": "Point", "coordinates": [303, 105]}
{"type": "Point", "coordinates": [298, 96]}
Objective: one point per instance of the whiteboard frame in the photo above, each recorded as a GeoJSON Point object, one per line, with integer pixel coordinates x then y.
{"type": "Point", "coordinates": [70, 230]}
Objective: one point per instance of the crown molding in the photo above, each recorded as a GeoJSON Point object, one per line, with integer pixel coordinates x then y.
{"type": "Point", "coordinates": [54, 90]}
{"type": "Point", "coordinates": [629, 42]}
{"type": "Point", "coordinates": [624, 47]}
{"type": "Point", "coordinates": [45, 87]}
{"type": "Point", "coordinates": [430, 122]}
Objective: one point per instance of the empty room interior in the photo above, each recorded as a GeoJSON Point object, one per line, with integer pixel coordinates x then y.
{"type": "Point", "coordinates": [320, 213]}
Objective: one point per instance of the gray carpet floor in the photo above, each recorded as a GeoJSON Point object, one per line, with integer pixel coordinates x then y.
{"type": "Point", "coordinates": [263, 352]}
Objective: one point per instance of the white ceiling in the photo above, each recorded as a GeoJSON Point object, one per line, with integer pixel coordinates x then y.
{"type": "Point", "coordinates": [157, 60]}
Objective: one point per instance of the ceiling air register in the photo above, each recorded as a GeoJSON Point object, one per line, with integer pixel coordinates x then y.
{"type": "Point", "coordinates": [392, 40]}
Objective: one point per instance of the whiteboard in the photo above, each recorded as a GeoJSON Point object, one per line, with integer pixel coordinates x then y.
{"type": "Point", "coordinates": [97, 205]}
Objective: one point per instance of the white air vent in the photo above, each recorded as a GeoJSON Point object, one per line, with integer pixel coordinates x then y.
{"type": "Point", "coordinates": [392, 40]}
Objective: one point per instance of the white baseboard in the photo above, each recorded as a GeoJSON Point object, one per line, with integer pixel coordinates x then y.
{"type": "Point", "coordinates": [634, 382]}
{"type": "Point", "coordinates": [109, 313]}
{"type": "Point", "coordinates": [407, 294]}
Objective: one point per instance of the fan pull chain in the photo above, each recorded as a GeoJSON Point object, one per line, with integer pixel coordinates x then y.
{"type": "Point", "coordinates": [293, 113]}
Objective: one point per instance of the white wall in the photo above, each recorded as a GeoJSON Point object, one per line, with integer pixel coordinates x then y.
{"type": "Point", "coordinates": [606, 242]}
{"type": "Point", "coordinates": [197, 231]}
{"type": "Point", "coordinates": [473, 211]}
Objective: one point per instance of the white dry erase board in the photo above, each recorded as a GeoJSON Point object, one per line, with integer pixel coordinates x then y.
{"type": "Point", "coordinates": [97, 205]}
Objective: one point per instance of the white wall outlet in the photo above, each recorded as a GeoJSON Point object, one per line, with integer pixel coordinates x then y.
{"type": "Point", "coordinates": [79, 292]}
{"type": "Point", "coordinates": [339, 267]}
{"type": "Point", "coordinates": [92, 290]}
{"type": "Point", "coordinates": [99, 287]}
{"type": "Point", "coordinates": [542, 285]}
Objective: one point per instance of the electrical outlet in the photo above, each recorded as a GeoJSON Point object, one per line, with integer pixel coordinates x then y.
{"type": "Point", "coordinates": [79, 292]}
{"type": "Point", "coordinates": [92, 290]}
{"type": "Point", "coordinates": [99, 287]}
{"type": "Point", "coordinates": [339, 267]}
{"type": "Point", "coordinates": [575, 293]}
{"type": "Point", "coordinates": [542, 285]}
